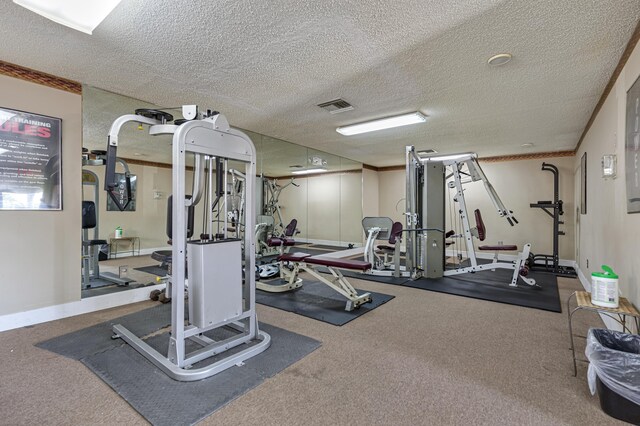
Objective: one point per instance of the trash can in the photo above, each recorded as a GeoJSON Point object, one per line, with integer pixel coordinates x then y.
{"type": "Point", "coordinates": [614, 371]}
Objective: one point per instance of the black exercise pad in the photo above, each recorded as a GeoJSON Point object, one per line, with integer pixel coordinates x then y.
{"type": "Point", "coordinates": [152, 393]}
{"type": "Point", "coordinates": [320, 302]}
{"type": "Point", "coordinates": [164, 401]}
{"type": "Point", "coordinates": [154, 270]}
{"type": "Point", "coordinates": [101, 291]}
{"type": "Point", "coordinates": [97, 338]}
{"type": "Point", "coordinates": [367, 277]}
{"type": "Point", "coordinates": [494, 286]}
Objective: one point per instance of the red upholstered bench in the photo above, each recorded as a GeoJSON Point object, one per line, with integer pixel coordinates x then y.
{"type": "Point", "coordinates": [293, 257]}
{"type": "Point", "coordinates": [305, 262]}
{"type": "Point", "coordinates": [336, 262]}
{"type": "Point", "coordinates": [358, 265]}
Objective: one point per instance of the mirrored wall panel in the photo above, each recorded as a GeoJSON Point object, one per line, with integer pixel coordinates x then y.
{"type": "Point", "coordinates": [321, 191]}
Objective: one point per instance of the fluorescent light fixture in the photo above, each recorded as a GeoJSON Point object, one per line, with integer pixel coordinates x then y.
{"type": "Point", "coordinates": [382, 123]}
{"type": "Point", "coordinates": [304, 172]}
{"type": "Point", "coordinates": [451, 157]}
{"type": "Point", "coordinates": [81, 15]}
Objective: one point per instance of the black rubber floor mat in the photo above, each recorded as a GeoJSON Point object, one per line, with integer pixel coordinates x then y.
{"type": "Point", "coordinates": [318, 301]}
{"type": "Point", "coordinates": [160, 399]}
{"type": "Point", "coordinates": [97, 338]}
{"type": "Point", "coordinates": [367, 277]}
{"type": "Point", "coordinates": [153, 270]}
{"type": "Point", "coordinates": [494, 286]}
{"type": "Point", "coordinates": [164, 401]}
{"type": "Point", "coordinates": [101, 291]}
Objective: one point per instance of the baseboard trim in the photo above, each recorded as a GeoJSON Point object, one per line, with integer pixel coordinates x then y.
{"type": "Point", "coordinates": [70, 309]}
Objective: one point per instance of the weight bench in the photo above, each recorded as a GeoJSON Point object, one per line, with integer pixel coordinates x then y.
{"type": "Point", "coordinates": [307, 263]}
{"type": "Point", "coordinates": [519, 266]}
{"type": "Point", "coordinates": [481, 231]}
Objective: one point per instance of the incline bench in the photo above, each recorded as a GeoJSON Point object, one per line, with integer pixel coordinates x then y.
{"type": "Point", "coordinates": [305, 262]}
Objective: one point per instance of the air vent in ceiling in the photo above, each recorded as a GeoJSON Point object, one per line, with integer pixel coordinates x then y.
{"type": "Point", "coordinates": [336, 106]}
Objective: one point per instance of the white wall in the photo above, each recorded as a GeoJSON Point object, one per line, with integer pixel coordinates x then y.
{"type": "Point", "coordinates": [518, 183]}
{"type": "Point", "coordinates": [370, 195]}
{"type": "Point", "coordinates": [40, 250]}
{"type": "Point", "coordinates": [149, 220]}
{"type": "Point", "coordinates": [607, 234]}
{"type": "Point", "coordinates": [328, 207]}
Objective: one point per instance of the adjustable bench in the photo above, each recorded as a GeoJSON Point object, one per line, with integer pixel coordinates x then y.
{"type": "Point", "coordinates": [519, 266]}
{"type": "Point", "coordinates": [306, 262]}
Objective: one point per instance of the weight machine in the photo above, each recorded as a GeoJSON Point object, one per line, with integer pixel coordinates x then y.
{"type": "Point", "coordinates": [219, 298]}
{"type": "Point", "coordinates": [266, 226]}
{"type": "Point", "coordinates": [91, 275]}
{"type": "Point", "coordinates": [383, 228]}
{"type": "Point", "coordinates": [271, 205]}
{"type": "Point", "coordinates": [426, 181]}
{"type": "Point", "coordinates": [550, 262]}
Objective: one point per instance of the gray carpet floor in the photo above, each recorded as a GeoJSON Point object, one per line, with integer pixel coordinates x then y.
{"type": "Point", "coordinates": [427, 358]}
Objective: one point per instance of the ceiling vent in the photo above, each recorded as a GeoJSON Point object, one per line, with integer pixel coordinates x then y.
{"type": "Point", "coordinates": [336, 106]}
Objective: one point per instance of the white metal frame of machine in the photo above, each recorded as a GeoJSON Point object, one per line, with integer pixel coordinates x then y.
{"type": "Point", "coordinates": [426, 179]}
{"type": "Point", "coordinates": [217, 296]}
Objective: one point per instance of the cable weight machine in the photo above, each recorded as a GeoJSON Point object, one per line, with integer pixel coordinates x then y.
{"type": "Point", "coordinates": [221, 301]}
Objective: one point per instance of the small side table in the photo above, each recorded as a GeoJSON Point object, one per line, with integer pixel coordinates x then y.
{"type": "Point", "coordinates": [620, 314]}
{"type": "Point", "coordinates": [131, 243]}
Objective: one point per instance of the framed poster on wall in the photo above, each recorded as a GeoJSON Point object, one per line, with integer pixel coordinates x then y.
{"type": "Point", "coordinates": [30, 161]}
{"type": "Point", "coordinates": [632, 148]}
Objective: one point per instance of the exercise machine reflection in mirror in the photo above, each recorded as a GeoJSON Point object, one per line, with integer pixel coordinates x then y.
{"type": "Point", "coordinates": [427, 178]}
{"type": "Point", "coordinates": [269, 223]}
{"type": "Point", "coordinates": [384, 258]}
{"type": "Point", "coordinates": [219, 296]}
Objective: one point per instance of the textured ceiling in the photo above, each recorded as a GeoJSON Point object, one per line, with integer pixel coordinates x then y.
{"type": "Point", "coordinates": [266, 65]}
{"type": "Point", "coordinates": [275, 157]}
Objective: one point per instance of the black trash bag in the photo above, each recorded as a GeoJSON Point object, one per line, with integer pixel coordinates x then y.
{"type": "Point", "coordinates": [615, 358]}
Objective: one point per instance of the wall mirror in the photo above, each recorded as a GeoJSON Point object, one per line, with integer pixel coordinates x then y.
{"type": "Point", "coordinates": [323, 192]}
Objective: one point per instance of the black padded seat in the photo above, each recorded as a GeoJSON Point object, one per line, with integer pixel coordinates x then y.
{"type": "Point", "coordinates": [386, 249]}
{"type": "Point", "coordinates": [499, 248]}
{"type": "Point", "coordinates": [163, 256]}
